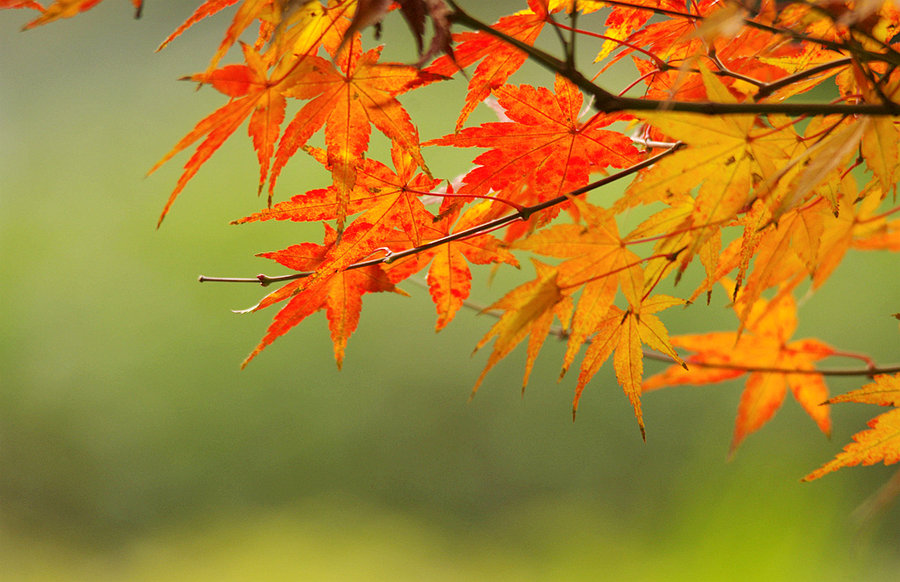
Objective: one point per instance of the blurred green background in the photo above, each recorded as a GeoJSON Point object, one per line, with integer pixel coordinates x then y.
{"type": "Point", "coordinates": [133, 448]}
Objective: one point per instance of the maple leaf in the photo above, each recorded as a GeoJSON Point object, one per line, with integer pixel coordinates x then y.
{"type": "Point", "coordinates": [765, 344]}
{"type": "Point", "coordinates": [820, 163]}
{"type": "Point", "coordinates": [783, 255]}
{"type": "Point", "coordinates": [389, 199]}
{"type": "Point", "coordinates": [726, 155]}
{"type": "Point", "coordinates": [884, 235]}
{"type": "Point", "coordinates": [247, 12]}
{"type": "Point", "coordinates": [414, 12]}
{"type": "Point", "coordinates": [663, 39]}
{"type": "Point", "coordinates": [253, 94]}
{"type": "Point", "coordinates": [499, 60]}
{"type": "Point", "coordinates": [61, 9]}
{"type": "Point", "coordinates": [528, 309]}
{"type": "Point", "coordinates": [620, 24]}
{"type": "Point", "coordinates": [4, 4]}
{"type": "Point", "coordinates": [623, 332]}
{"type": "Point", "coordinates": [369, 12]}
{"type": "Point", "coordinates": [544, 150]}
{"type": "Point", "coordinates": [205, 10]}
{"type": "Point", "coordinates": [880, 144]}
{"type": "Point", "coordinates": [254, 91]}
{"type": "Point", "coordinates": [807, 241]}
{"type": "Point", "coordinates": [879, 444]}
{"type": "Point", "coordinates": [598, 260]}
{"type": "Point", "coordinates": [347, 99]}
{"type": "Point", "coordinates": [338, 291]}
{"type": "Point", "coordinates": [884, 391]}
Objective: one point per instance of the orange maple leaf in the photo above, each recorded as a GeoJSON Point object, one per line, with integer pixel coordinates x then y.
{"type": "Point", "coordinates": [61, 9]}
{"type": "Point", "coordinates": [332, 287]}
{"type": "Point", "coordinates": [271, 16]}
{"type": "Point", "coordinates": [623, 332]}
{"type": "Point", "coordinates": [347, 100]}
{"type": "Point", "coordinates": [726, 155]}
{"type": "Point", "coordinates": [879, 444]}
{"type": "Point", "coordinates": [808, 241]}
{"type": "Point", "coordinates": [449, 278]}
{"type": "Point", "coordinates": [528, 309]}
{"type": "Point", "coordinates": [4, 4]}
{"type": "Point", "coordinates": [764, 345]}
{"type": "Point", "coordinates": [597, 260]}
{"type": "Point", "coordinates": [253, 94]}
{"type": "Point", "coordinates": [389, 199]}
{"type": "Point", "coordinates": [884, 391]}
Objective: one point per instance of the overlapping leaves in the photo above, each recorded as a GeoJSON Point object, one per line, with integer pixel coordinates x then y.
{"type": "Point", "coordinates": [763, 198]}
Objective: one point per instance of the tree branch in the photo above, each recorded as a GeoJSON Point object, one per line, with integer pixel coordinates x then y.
{"type": "Point", "coordinates": [890, 57]}
{"type": "Point", "coordinates": [562, 334]}
{"type": "Point", "coordinates": [524, 214]}
{"type": "Point", "coordinates": [609, 103]}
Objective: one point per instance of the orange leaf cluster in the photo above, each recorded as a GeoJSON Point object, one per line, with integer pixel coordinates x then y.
{"type": "Point", "coordinates": [766, 195]}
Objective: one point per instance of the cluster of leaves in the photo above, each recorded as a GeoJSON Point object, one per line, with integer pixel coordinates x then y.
{"type": "Point", "coordinates": [762, 192]}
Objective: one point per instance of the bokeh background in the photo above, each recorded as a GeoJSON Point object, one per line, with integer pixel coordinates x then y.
{"type": "Point", "coordinates": [133, 448]}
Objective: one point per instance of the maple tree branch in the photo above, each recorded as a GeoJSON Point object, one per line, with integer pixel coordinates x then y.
{"type": "Point", "coordinates": [870, 370]}
{"type": "Point", "coordinates": [610, 103]}
{"type": "Point", "coordinates": [567, 47]}
{"type": "Point", "coordinates": [867, 371]}
{"type": "Point", "coordinates": [523, 214]}
{"type": "Point", "coordinates": [671, 257]}
{"type": "Point", "coordinates": [891, 57]}
{"type": "Point", "coordinates": [769, 88]}
{"type": "Point", "coordinates": [725, 71]}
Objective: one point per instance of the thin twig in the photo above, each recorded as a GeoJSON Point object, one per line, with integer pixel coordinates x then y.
{"type": "Point", "coordinates": [770, 88]}
{"type": "Point", "coordinates": [523, 214]}
{"type": "Point", "coordinates": [562, 334]}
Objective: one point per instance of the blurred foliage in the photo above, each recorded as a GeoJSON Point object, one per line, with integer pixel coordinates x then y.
{"type": "Point", "coordinates": [132, 447]}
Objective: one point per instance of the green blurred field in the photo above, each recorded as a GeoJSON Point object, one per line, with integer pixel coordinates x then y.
{"type": "Point", "coordinates": [133, 448]}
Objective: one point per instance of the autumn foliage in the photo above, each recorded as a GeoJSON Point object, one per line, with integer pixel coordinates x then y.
{"type": "Point", "coordinates": [744, 173]}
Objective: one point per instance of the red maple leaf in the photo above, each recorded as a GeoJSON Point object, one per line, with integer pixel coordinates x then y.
{"type": "Point", "coordinates": [544, 150]}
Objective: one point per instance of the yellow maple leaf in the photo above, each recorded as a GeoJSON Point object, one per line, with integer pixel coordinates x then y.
{"type": "Point", "coordinates": [623, 332]}
{"type": "Point", "coordinates": [529, 309]}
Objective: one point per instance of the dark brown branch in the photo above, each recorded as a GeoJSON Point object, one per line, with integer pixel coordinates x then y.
{"type": "Point", "coordinates": [770, 88]}
{"type": "Point", "coordinates": [608, 102]}
{"type": "Point", "coordinates": [890, 57]}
